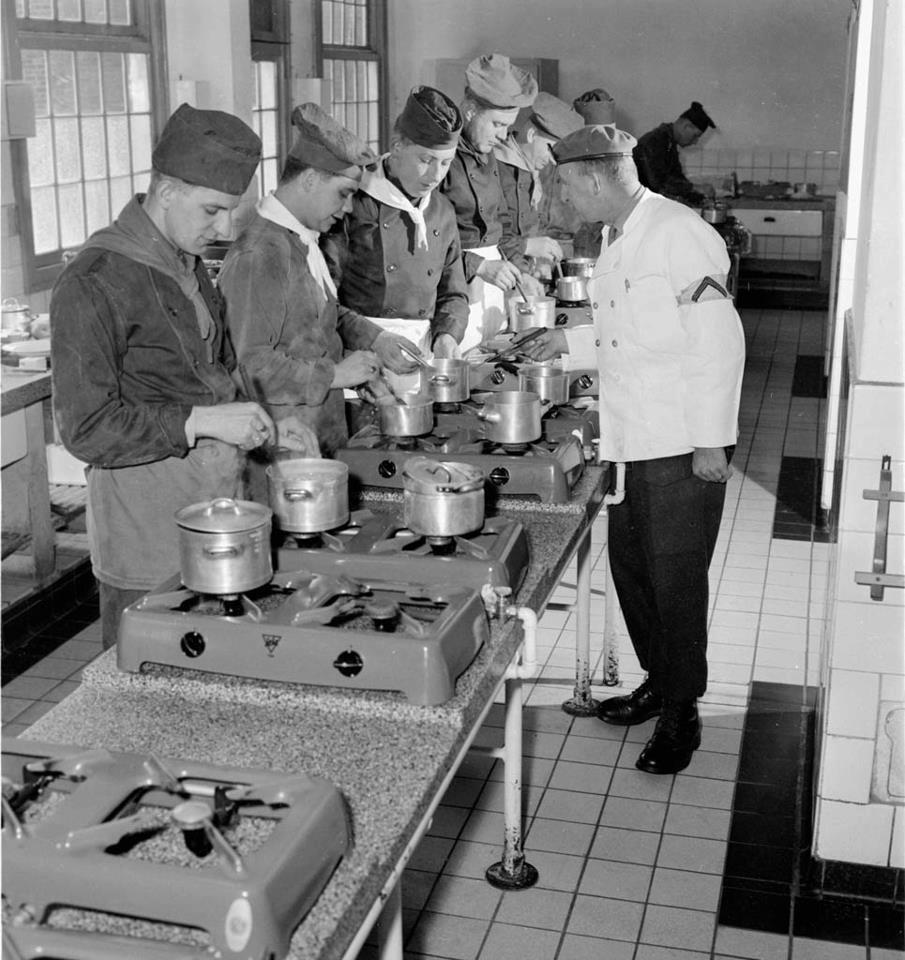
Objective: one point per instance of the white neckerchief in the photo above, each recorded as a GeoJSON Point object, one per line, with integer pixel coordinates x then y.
{"type": "Point", "coordinates": [375, 184]}
{"type": "Point", "coordinates": [272, 209]}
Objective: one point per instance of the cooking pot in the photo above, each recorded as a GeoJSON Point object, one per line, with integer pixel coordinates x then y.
{"type": "Point", "coordinates": [512, 416]}
{"type": "Point", "coordinates": [714, 211]}
{"type": "Point", "coordinates": [573, 289]}
{"type": "Point", "coordinates": [224, 546]}
{"type": "Point", "coordinates": [446, 381]}
{"type": "Point", "coordinates": [15, 315]}
{"type": "Point", "coordinates": [411, 417]}
{"type": "Point", "coordinates": [577, 267]}
{"type": "Point", "coordinates": [551, 384]}
{"type": "Point", "coordinates": [530, 313]}
{"type": "Point", "coordinates": [441, 498]}
{"type": "Point", "coordinates": [309, 495]}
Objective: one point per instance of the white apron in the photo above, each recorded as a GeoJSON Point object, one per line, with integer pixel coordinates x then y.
{"type": "Point", "coordinates": [486, 305]}
{"type": "Point", "coordinates": [419, 332]}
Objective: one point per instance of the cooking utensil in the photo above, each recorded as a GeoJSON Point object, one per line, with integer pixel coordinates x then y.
{"type": "Point", "coordinates": [714, 211]}
{"type": "Point", "coordinates": [573, 289]}
{"type": "Point", "coordinates": [515, 346]}
{"type": "Point", "coordinates": [224, 546]}
{"type": "Point", "coordinates": [550, 383]}
{"type": "Point", "coordinates": [518, 285]}
{"type": "Point", "coordinates": [412, 417]}
{"type": "Point", "coordinates": [577, 267]}
{"type": "Point", "coordinates": [446, 380]}
{"type": "Point", "coordinates": [512, 416]}
{"type": "Point", "coordinates": [441, 498]}
{"type": "Point", "coordinates": [532, 312]}
{"type": "Point", "coordinates": [309, 495]}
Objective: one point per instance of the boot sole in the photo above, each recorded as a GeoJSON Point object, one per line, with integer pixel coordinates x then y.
{"type": "Point", "coordinates": [634, 721]}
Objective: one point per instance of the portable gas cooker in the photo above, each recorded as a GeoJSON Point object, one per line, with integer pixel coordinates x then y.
{"type": "Point", "coordinates": [314, 628]}
{"type": "Point", "coordinates": [114, 855]}
{"type": "Point", "coordinates": [573, 313]}
{"type": "Point", "coordinates": [541, 470]}
{"type": "Point", "coordinates": [561, 420]}
{"type": "Point", "coordinates": [373, 545]}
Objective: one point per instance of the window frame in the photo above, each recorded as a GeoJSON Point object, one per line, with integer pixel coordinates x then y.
{"type": "Point", "coordinates": [146, 35]}
{"type": "Point", "coordinates": [376, 50]}
{"type": "Point", "coordinates": [274, 45]}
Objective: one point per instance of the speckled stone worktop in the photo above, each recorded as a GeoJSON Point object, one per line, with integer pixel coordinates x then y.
{"type": "Point", "coordinates": [388, 757]}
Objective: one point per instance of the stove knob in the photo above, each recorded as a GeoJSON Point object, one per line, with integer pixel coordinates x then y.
{"type": "Point", "coordinates": [499, 476]}
{"type": "Point", "coordinates": [562, 319]}
{"type": "Point", "coordinates": [192, 644]}
{"type": "Point", "coordinates": [584, 381]}
{"type": "Point", "coordinates": [349, 663]}
{"type": "Point", "coordinates": [386, 469]}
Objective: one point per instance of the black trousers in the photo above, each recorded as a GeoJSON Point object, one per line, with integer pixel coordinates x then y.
{"type": "Point", "coordinates": [661, 540]}
{"type": "Point", "coordinates": [113, 600]}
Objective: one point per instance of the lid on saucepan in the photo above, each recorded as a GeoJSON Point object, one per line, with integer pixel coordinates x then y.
{"type": "Point", "coordinates": [223, 515]}
{"type": "Point", "coordinates": [422, 475]}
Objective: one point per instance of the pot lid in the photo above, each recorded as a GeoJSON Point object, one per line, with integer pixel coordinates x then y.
{"type": "Point", "coordinates": [223, 515]}
{"type": "Point", "coordinates": [422, 475]}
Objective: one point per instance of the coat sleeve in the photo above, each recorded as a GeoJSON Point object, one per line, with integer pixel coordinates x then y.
{"type": "Point", "coordinates": [97, 422]}
{"type": "Point", "coordinates": [355, 331]}
{"type": "Point", "coordinates": [255, 282]}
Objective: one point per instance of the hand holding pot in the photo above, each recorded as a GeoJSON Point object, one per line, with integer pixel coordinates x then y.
{"type": "Point", "coordinates": [445, 347]}
{"type": "Point", "coordinates": [550, 344]}
{"type": "Point", "coordinates": [544, 247]}
{"type": "Point", "coordinates": [355, 368]}
{"type": "Point", "coordinates": [293, 434]}
{"type": "Point", "coordinates": [247, 425]}
{"type": "Point", "coordinates": [388, 347]}
{"type": "Point", "coordinates": [500, 273]}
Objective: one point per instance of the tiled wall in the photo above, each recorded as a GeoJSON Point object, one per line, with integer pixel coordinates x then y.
{"type": "Point", "coordinates": [860, 806]}
{"type": "Point", "coordinates": [765, 164]}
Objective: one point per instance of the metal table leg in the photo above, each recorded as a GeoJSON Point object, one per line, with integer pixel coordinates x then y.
{"type": "Point", "coordinates": [389, 926]}
{"type": "Point", "coordinates": [582, 704]}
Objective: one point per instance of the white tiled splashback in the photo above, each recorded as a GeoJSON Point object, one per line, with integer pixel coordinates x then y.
{"type": "Point", "coordinates": [764, 164]}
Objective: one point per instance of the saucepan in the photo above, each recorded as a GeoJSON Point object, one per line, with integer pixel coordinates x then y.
{"type": "Point", "coordinates": [551, 384]}
{"type": "Point", "coordinates": [446, 380]}
{"type": "Point", "coordinates": [572, 289]}
{"type": "Point", "coordinates": [512, 416]}
{"type": "Point", "coordinates": [577, 267]}
{"type": "Point", "coordinates": [442, 499]}
{"type": "Point", "coordinates": [309, 495]}
{"type": "Point", "coordinates": [526, 313]}
{"type": "Point", "coordinates": [413, 416]}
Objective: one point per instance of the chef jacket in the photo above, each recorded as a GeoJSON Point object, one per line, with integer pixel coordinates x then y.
{"type": "Point", "coordinates": [129, 363]}
{"type": "Point", "coordinates": [523, 192]}
{"type": "Point", "coordinates": [381, 271]}
{"type": "Point", "coordinates": [287, 332]}
{"type": "Point", "coordinates": [472, 185]}
{"type": "Point", "coordinates": [656, 156]}
{"type": "Point", "coordinates": [670, 365]}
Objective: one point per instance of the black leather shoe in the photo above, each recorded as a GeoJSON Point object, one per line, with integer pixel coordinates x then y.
{"type": "Point", "coordinates": [676, 737]}
{"type": "Point", "coordinates": [635, 707]}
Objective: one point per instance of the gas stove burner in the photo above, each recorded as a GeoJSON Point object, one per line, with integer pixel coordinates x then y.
{"type": "Point", "coordinates": [514, 449]}
{"type": "Point", "coordinates": [230, 605]}
{"type": "Point", "coordinates": [327, 629]}
{"type": "Point", "coordinates": [441, 546]}
{"type": "Point", "coordinates": [447, 407]}
{"type": "Point", "coordinates": [572, 304]}
{"type": "Point", "coordinates": [127, 855]}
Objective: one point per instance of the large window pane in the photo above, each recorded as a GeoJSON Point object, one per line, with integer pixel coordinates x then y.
{"type": "Point", "coordinates": [89, 72]}
{"type": "Point", "coordinates": [95, 11]}
{"type": "Point", "coordinates": [40, 9]}
{"type": "Point", "coordinates": [62, 83]}
{"type": "Point", "coordinates": [267, 88]}
{"type": "Point", "coordinates": [120, 193]}
{"type": "Point", "coordinates": [94, 148]}
{"type": "Point", "coordinates": [66, 149]}
{"type": "Point", "coordinates": [40, 155]}
{"type": "Point", "coordinates": [139, 86]}
{"type": "Point", "coordinates": [141, 142]}
{"type": "Point", "coordinates": [118, 153]}
{"type": "Point", "coordinates": [114, 82]}
{"type": "Point", "coordinates": [69, 10]}
{"type": "Point", "coordinates": [97, 206]}
{"type": "Point", "coordinates": [44, 219]}
{"type": "Point", "coordinates": [34, 70]}
{"type": "Point", "coordinates": [120, 12]}
{"type": "Point", "coordinates": [72, 215]}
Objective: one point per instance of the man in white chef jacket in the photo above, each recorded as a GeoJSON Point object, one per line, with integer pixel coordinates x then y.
{"type": "Point", "coordinates": [671, 351]}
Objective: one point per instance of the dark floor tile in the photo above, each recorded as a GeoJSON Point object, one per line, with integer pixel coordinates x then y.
{"type": "Point", "coordinates": [749, 827]}
{"type": "Point", "coordinates": [763, 692]}
{"type": "Point", "coordinates": [808, 379]}
{"type": "Point", "coordinates": [756, 765]}
{"type": "Point", "coordinates": [886, 927]}
{"type": "Point", "coordinates": [830, 918]}
{"type": "Point", "coordinates": [759, 861]}
{"type": "Point", "coordinates": [755, 910]}
{"type": "Point", "coordinates": [852, 879]}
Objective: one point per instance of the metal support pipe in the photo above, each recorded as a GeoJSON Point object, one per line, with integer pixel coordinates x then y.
{"type": "Point", "coordinates": [389, 926]}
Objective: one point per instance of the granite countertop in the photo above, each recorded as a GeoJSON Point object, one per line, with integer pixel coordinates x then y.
{"type": "Point", "coordinates": [20, 388]}
{"type": "Point", "coordinates": [388, 757]}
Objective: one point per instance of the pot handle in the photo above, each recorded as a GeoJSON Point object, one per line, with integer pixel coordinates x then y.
{"type": "Point", "coordinates": [221, 553]}
{"type": "Point", "coordinates": [224, 502]}
{"type": "Point", "coordinates": [294, 495]}
{"type": "Point", "coordinates": [492, 417]}
{"type": "Point", "coordinates": [440, 378]}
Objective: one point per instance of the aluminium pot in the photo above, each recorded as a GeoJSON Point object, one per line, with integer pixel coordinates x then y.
{"type": "Point", "coordinates": [714, 211]}
{"type": "Point", "coordinates": [446, 380]}
{"type": "Point", "coordinates": [224, 546]}
{"type": "Point", "coordinates": [551, 384]}
{"type": "Point", "coordinates": [577, 267]}
{"type": "Point", "coordinates": [412, 417]}
{"type": "Point", "coordinates": [572, 289]}
{"type": "Point", "coordinates": [512, 417]}
{"type": "Point", "coordinates": [309, 495]}
{"type": "Point", "coordinates": [442, 498]}
{"type": "Point", "coordinates": [531, 313]}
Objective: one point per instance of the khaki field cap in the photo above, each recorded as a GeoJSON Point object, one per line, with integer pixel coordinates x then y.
{"type": "Point", "coordinates": [430, 119]}
{"type": "Point", "coordinates": [499, 84]}
{"type": "Point", "coordinates": [554, 118]}
{"type": "Point", "coordinates": [327, 145]}
{"type": "Point", "coordinates": [208, 148]}
{"type": "Point", "coordinates": [593, 143]}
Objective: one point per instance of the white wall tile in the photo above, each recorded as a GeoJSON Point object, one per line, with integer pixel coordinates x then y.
{"type": "Point", "coordinates": [897, 847]}
{"type": "Point", "coordinates": [853, 833]}
{"type": "Point", "coordinates": [852, 702]}
{"type": "Point", "coordinates": [869, 636]}
{"type": "Point", "coordinates": [845, 769]}
{"type": "Point", "coordinates": [892, 687]}
{"type": "Point", "coordinates": [876, 417]}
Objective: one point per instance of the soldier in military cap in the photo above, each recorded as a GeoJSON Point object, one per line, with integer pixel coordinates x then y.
{"type": "Point", "coordinates": [523, 159]}
{"type": "Point", "coordinates": [670, 351]}
{"type": "Point", "coordinates": [297, 346]}
{"type": "Point", "coordinates": [142, 368]}
{"type": "Point", "coordinates": [657, 154]}
{"type": "Point", "coordinates": [495, 91]}
{"type": "Point", "coordinates": [396, 256]}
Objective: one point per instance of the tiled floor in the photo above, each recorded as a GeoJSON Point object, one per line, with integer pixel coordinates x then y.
{"type": "Point", "coordinates": [706, 864]}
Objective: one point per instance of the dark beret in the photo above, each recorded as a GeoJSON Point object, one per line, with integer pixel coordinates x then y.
{"type": "Point", "coordinates": [697, 115]}
{"type": "Point", "coordinates": [208, 148]}
{"type": "Point", "coordinates": [594, 142]}
{"type": "Point", "coordinates": [554, 118]}
{"type": "Point", "coordinates": [327, 145]}
{"type": "Point", "coordinates": [499, 84]}
{"type": "Point", "coordinates": [595, 106]}
{"type": "Point", "coordinates": [430, 119]}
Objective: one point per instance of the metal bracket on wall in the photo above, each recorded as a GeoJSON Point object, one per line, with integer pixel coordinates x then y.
{"type": "Point", "coordinates": [878, 579]}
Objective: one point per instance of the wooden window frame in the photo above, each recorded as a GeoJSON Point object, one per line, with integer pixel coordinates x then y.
{"type": "Point", "coordinates": [147, 35]}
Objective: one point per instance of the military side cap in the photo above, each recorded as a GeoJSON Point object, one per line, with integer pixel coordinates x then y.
{"type": "Point", "coordinates": [554, 118]}
{"type": "Point", "coordinates": [208, 148]}
{"type": "Point", "coordinates": [430, 119]}
{"type": "Point", "coordinates": [499, 84]}
{"type": "Point", "coordinates": [594, 142]}
{"type": "Point", "coordinates": [327, 145]}
{"type": "Point", "coordinates": [698, 116]}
